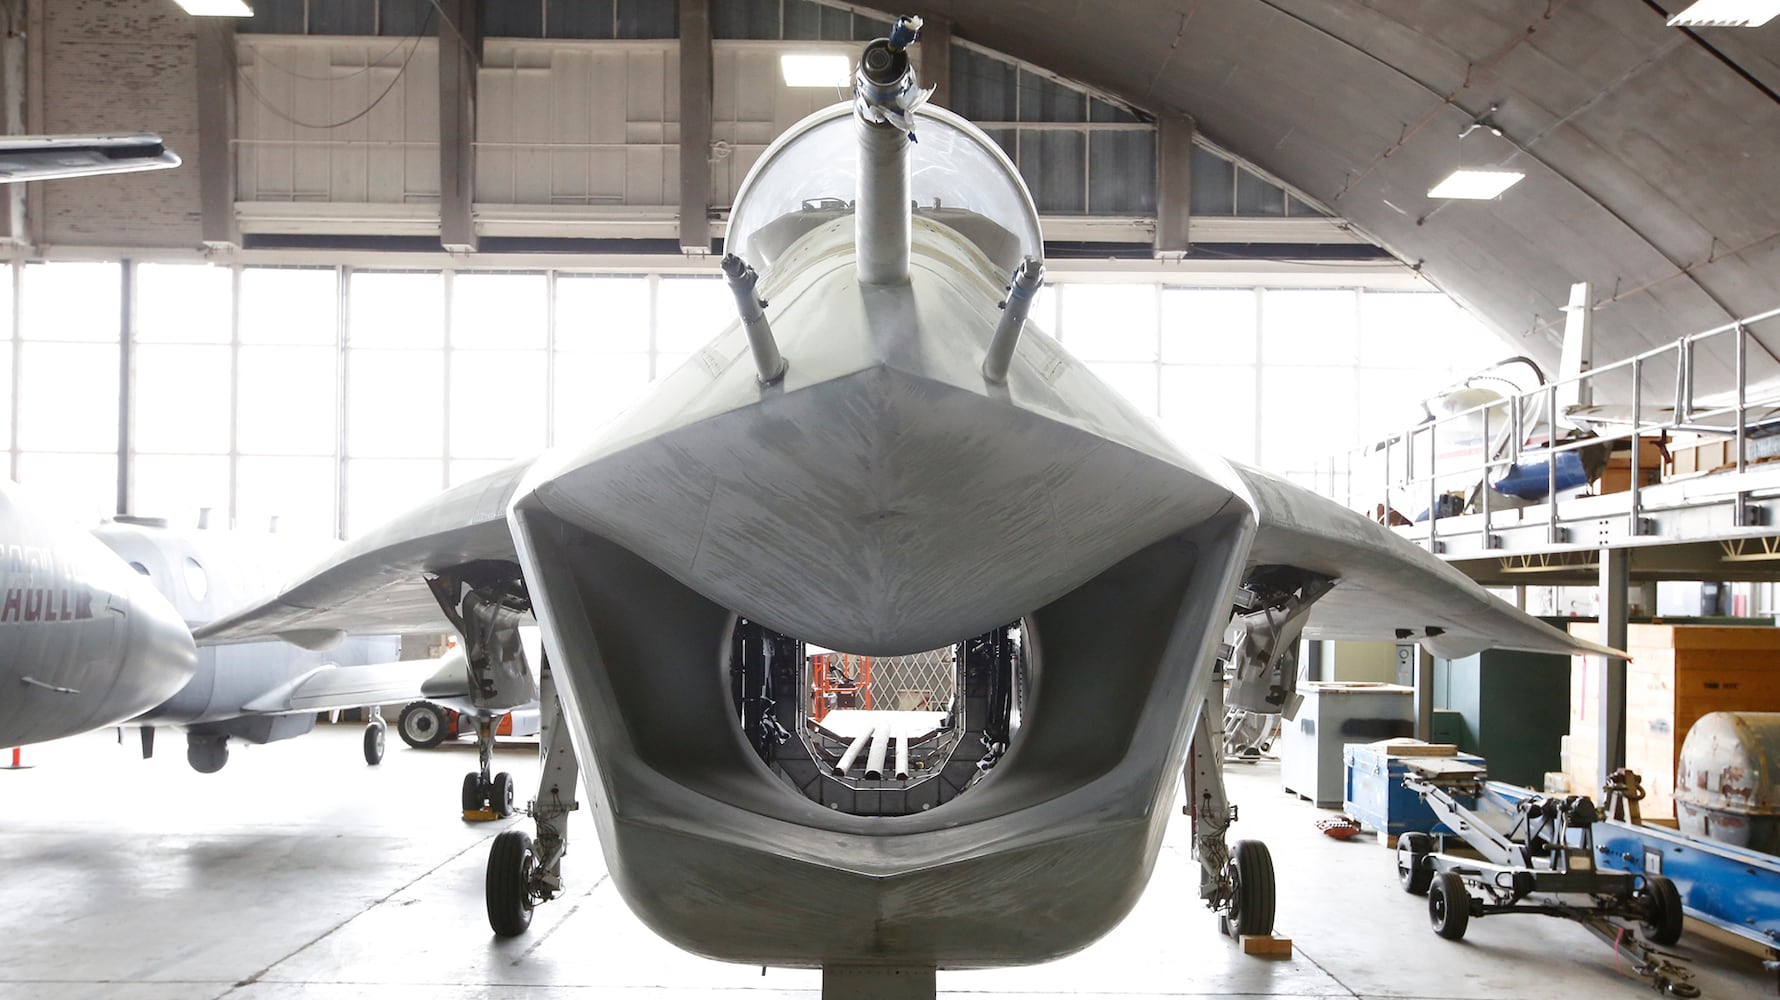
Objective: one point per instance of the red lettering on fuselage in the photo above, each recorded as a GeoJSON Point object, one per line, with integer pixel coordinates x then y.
{"type": "Point", "coordinates": [42, 604]}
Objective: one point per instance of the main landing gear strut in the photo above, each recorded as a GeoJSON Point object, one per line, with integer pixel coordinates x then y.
{"type": "Point", "coordinates": [1235, 880]}
{"type": "Point", "coordinates": [1260, 659]}
{"type": "Point", "coordinates": [522, 871]}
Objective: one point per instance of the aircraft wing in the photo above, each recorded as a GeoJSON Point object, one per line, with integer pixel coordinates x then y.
{"type": "Point", "coordinates": [326, 688]}
{"type": "Point", "coordinates": [375, 584]}
{"type": "Point", "coordinates": [52, 157]}
{"type": "Point", "coordinates": [1388, 589]}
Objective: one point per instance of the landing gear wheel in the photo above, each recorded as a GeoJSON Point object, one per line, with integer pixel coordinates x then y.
{"type": "Point", "coordinates": [1412, 863]}
{"type": "Point", "coordinates": [421, 725]}
{"type": "Point", "coordinates": [1252, 896]}
{"type": "Point", "coordinates": [508, 888]}
{"type": "Point", "coordinates": [374, 743]}
{"type": "Point", "coordinates": [500, 798]}
{"type": "Point", "coordinates": [475, 796]}
{"type": "Point", "coordinates": [1666, 918]}
{"type": "Point", "coordinates": [1449, 906]}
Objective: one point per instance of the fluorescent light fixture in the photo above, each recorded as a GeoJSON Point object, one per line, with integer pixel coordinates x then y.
{"type": "Point", "coordinates": [216, 8]}
{"type": "Point", "coordinates": [1478, 185]}
{"type": "Point", "coordinates": [816, 70]}
{"type": "Point", "coordinates": [1727, 14]}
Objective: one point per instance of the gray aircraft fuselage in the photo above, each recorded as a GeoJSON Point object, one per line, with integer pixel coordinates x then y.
{"type": "Point", "coordinates": [203, 573]}
{"type": "Point", "coordinates": [84, 641]}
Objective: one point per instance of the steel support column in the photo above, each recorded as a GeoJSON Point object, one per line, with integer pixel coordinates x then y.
{"type": "Point", "coordinates": [126, 397]}
{"type": "Point", "coordinates": [216, 133]}
{"type": "Point", "coordinates": [1424, 694]}
{"type": "Point", "coordinates": [1610, 696]}
{"type": "Point", "coordinates": [695, 126]}
{"type": "Point", "coordinates": [1174, 182]}
{"type": "Point", "coordinates": [13, 52]}
{"type": "Point", "coordinates": [460, 55]}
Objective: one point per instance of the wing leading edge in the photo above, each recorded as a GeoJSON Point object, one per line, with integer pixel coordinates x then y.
{"type": "Point", "coordinates": [375, 584]}
{"type": "Point", "coordinates": [1387, 588]}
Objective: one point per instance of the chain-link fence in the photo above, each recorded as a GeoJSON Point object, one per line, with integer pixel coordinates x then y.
{"type": "Point", "coordinates": [923, 682]}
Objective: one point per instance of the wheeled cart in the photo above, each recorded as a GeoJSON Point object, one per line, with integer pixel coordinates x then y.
{"type": "Point", "coordinates": [1528, 853]}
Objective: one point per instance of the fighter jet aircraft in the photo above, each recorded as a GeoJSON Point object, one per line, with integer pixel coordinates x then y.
{"type": "Point", "coordinates": [84, 642]}
{"type": "Point", "coordinates": [879, 458]}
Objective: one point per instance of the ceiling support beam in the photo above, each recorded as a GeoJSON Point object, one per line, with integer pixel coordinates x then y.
{"type": "Point", "coordinates": [1174, 182]}
{"type": "Point", "coordinates": [460, 55]}
{"type": "Point", "coordinates": [696, 74]}
{"type": "Point", "coordinates": [935, 52]}
{"type": "Point", "coordinates": [218, 228]}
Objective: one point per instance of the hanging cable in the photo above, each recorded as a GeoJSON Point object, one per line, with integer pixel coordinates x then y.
{"type": "Point", "coordinates": [401, 71]}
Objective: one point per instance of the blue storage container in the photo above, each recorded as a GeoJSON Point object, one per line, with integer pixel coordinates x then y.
{"type": "Point", "coordinates": [1375, 795]}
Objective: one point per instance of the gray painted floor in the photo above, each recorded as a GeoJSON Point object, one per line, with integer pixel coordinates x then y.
{"type": "Point", "coordinates": [299, 872]}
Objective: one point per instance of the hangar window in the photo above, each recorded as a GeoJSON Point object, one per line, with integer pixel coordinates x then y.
{"type": "Point", "coordinates": [68, 334]}
{"type": "Point", "coordinates": [603, 350]}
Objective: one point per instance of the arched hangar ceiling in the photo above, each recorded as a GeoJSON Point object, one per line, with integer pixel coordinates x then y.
{"type": "Point", "coordinates": [1652, 154]}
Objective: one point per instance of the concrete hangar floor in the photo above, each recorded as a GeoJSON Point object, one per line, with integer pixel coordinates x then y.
{"type": "Point", "coordinates": [297, 871]}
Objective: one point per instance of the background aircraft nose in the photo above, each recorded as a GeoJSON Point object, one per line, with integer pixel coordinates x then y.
{"type": "Point", "coordinates": [159, 655]}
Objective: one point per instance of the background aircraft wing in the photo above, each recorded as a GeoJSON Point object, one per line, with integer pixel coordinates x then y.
{"type": "Point", "coordinates": [52, 157]}
{"type": "Point", "coordinates": [376, 584]}
{"type": "Point", "coordinates": [327, 688]}
{"type": "Point", "coordinates": [1388, 589]}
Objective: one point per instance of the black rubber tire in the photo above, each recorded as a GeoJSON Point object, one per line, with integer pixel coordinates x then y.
{"type": "Point", "coordinates": [1666, 917]}
{"type": "Point", "coordinates": [507, 889]}
{"type": "Point", "coordinates": [1413, 873]}
{"type": "Point", "coordinates": [475, 796]}
{"type": "Point", "coordinates": [421, 725]}
{"type": "Point", "coordinates": [374, 743]}
{"type": "Point", "coordinates": [1252, 912]}
{"type": "Point", "coordinates": [500, 796]}
{"type": "Point", "coordinates": [207, 755]}
{"type": "Point", "coordinates": [1449, 906]}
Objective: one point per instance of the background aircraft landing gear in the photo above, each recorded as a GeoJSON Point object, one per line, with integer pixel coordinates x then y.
{"type": "Point", "coordinates": [483, 791]}
{"type": "Point", "coordinates": [374, 733]}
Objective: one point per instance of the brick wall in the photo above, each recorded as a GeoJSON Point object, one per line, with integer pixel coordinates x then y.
{"type": "Point", "coordinates": [123, 66]}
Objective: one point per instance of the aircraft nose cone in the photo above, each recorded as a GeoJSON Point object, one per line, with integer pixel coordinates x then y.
{"type": "Point", "coordinates": [159, 656]}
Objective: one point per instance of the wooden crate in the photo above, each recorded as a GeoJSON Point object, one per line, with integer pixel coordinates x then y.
{"type": "Point", "coordinates": [1677, 674]}
{"type": "Point", "coordinates": [1700, 454]}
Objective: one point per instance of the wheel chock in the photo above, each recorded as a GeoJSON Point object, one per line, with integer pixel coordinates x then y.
{"type": "Point", "coordinates": [480, 815]}
{"type": "Point", "coordinates": [1267, 945]}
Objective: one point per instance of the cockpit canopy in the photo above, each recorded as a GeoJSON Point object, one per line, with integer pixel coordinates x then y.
{"type": "Point", "coordinates": [957, 176]}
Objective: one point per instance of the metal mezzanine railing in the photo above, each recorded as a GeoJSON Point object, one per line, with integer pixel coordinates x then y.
{"type": "Point", "coordinates": [1430, 460]}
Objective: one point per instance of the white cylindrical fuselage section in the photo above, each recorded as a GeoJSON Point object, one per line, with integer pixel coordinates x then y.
{"type": "Point", "coordinates": [902, 756]}
{"type": "Point", "coordinates": [881, 204]}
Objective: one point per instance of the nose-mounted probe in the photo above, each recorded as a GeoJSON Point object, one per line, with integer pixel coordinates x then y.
{"type": "Point", "coordinates": [885, 96]}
